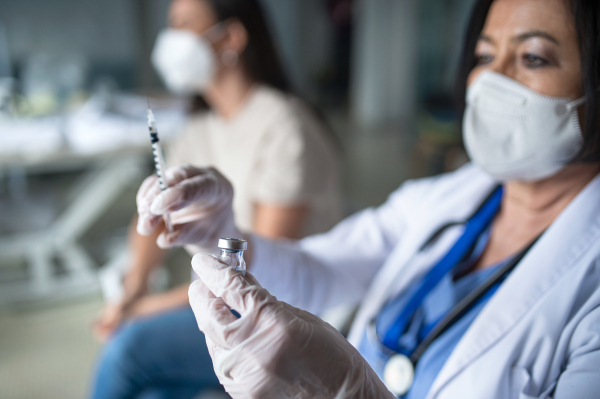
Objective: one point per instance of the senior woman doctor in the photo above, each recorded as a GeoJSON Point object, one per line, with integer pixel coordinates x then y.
{"type": "Point", "coordinates": [483, 283]}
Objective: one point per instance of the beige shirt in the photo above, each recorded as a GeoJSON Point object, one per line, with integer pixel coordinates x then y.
{"type": "Point", "coordinates": [274, 151]}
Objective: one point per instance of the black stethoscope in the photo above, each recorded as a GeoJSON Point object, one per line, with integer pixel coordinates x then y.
{"type": "Point", "coordinates": [399, 370]}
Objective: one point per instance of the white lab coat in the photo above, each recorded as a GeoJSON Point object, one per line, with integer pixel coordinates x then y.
{"type": "Point", "coordinates": [537, 337]}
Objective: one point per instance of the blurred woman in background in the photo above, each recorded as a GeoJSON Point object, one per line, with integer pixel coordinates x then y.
{"type": "Point", "coordinates": [275, 151]}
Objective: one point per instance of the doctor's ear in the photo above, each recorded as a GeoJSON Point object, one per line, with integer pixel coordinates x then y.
{"type": "Point", "coordinates": [234, 43]}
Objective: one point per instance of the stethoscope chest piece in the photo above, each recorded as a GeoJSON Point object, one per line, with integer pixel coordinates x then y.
{"type": "Point", "coordinates": [398, 374]}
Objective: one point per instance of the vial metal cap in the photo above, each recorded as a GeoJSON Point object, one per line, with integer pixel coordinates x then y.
{"type": "Point", "coordinates": [233, 244]}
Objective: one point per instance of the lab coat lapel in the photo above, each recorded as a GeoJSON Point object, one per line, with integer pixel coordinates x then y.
{"type": "Point", "coordinates": [557, 251]}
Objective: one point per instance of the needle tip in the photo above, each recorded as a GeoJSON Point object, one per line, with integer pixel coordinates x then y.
{"type": "Point", "coordinates": [147, 99]}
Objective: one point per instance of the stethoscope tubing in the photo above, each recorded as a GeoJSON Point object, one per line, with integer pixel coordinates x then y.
{"type": "Point", "coordinates": [459, 309]}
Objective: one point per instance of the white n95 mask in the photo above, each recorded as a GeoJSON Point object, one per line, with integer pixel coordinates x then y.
{"type": "Point", "coordinates": [515, 133]}
{"type": "Point", "coordinates": [185, 61]}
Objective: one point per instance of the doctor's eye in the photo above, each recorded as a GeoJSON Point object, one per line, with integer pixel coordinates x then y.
{"type": "Point", "coordinates": [534, 61]}
{"type": "Point", "coordinates": [483, 59]}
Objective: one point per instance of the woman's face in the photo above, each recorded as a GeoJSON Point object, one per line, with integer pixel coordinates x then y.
{"type": "Point", "coordinates": [533, 42]}
{"type": "Point", "coordinates": [192, 15]}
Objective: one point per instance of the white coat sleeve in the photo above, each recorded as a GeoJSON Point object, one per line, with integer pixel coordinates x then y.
{"type": "Point", "coordinates": [334, 268]}
{"type": "Point", "coordinates": [581, 377]}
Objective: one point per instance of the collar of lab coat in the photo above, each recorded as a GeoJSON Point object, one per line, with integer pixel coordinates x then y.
{"type": "Point", "coordinates": [564, 246]}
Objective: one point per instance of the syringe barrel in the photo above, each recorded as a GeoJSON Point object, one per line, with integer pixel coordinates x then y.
{"type": "Point", "coordinates": [159, 160]}
{"type": "Point", "coordinates": [161, 168]}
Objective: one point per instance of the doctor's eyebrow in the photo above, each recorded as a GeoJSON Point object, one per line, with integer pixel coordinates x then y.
{"type": "Point", "coordinates": [536, 33]}
{"type": "Point", "coordinates": [523, 36]}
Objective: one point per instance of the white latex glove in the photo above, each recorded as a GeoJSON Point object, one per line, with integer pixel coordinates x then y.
{"type": "Point", "coordinates": [274, 350]}
{"type": "Point", "coordinates": [199, 201]}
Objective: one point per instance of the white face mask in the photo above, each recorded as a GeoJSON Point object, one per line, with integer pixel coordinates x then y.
{"type": "Point", "coordinates": [185, 61]}
{"type": "Point", "coordinates": [515, 133]}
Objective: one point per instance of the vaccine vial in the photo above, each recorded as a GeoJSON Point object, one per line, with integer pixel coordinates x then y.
{"type": "Point", "coordinates": [232, 253]}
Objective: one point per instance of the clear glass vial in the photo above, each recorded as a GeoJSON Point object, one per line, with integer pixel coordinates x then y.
{"type": "Point", "coordinates": [232, 253]}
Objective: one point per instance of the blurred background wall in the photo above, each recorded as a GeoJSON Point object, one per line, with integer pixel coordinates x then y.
{"type": "Point", "coordinates": [381, 71]}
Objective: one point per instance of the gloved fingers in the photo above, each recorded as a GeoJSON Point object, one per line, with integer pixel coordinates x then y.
{"type": "Point", "coordinates": [202, 299]}
{"type": "Point", "coordinates": [214, 317]}
{"type": "Point", "coordinates": [182, 234]}
{"type": "Point", "coordinates": [195, 189]}
{"type": "Point", "coordinates": [190, 214]}
{"type": "Point", "coordinates": [150, 188]}
{"type": "Point", "coordinates": [212, 347]}
{"type": "Point", "coordinates": [147, 223]}
{"type": "Point", "coordinates": [231, 368]}
{"type": "Point", "coordinates": [215, 351]}
{"type": "Point", "coordinates": [146, 193]}
{"type": "Point", "coordinates": [177, 174]}
{"type": "Point", "coordinates": [168, 239]}
{"type": "Point", "coordinates": [206, 189]}
{"type": "Point", "coordinates": [242, 293]}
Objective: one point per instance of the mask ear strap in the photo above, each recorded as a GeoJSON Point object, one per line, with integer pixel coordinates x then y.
{"type": "Point", "coordinates": [575, 104]}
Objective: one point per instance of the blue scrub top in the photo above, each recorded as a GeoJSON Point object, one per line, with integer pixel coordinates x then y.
{"type": "Point", "coordinates": [436, 304]}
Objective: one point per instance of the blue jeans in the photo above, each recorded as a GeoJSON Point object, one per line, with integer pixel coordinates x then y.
{"type": "Point", "coordinates": [164, 356]}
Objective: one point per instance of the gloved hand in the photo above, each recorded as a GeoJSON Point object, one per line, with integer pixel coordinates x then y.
{"type": "Point", "coordinates": [274, 350]}
{"type": "Point", "coordinates": [199, 201]}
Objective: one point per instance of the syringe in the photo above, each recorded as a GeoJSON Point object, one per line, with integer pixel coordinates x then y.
{"type": "Point", "coordinates": [159, 160]}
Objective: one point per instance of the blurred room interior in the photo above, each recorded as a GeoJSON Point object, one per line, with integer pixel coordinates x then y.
{"type": "Point", "coordinates": [74, 76]}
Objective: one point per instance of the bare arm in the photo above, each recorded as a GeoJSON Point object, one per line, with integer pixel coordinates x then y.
{"type": "Point", "coordinates": [146, 256]}
{"type": "Point", "coordinates": [275, 221]}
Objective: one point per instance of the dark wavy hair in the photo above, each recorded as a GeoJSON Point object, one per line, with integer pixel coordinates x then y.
{"type": "Point", "coordinates": [260, 58]}
{"type": "Point", "coordinates": [586, 17]}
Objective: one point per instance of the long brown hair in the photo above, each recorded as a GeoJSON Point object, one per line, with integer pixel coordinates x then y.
{"type": "Point", "coordinates": [260, 58]}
